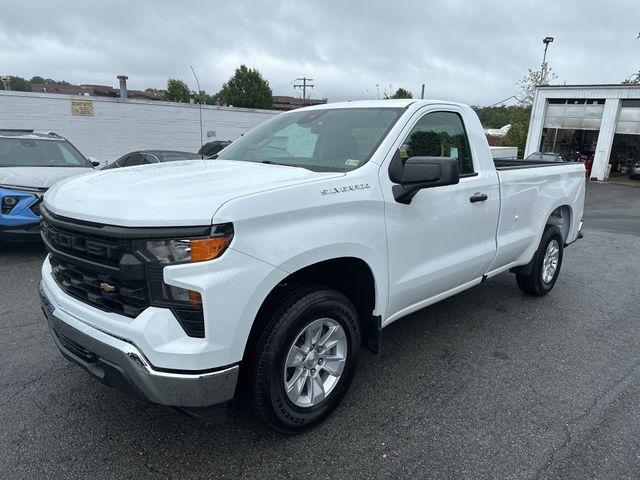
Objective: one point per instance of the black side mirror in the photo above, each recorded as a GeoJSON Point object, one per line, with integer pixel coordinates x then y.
{"type": "Point", "coordinates": [421, 172]}
{"type": "Point", "coordinates": [95, 164]}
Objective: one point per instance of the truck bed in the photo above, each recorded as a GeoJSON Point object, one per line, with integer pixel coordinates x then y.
{"type": "Point", "coordinates": [514, 163]}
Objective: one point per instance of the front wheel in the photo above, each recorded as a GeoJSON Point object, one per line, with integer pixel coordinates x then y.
{"type": "Point", "coordinates": [545, 266]}
{"type": "Point", "coordinates": [305, 360]}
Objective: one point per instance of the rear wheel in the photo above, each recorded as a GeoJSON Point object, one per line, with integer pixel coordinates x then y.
{"type": "Point", "coordinates": [545, 266]}
{"type": "Point", "coordinates": [305, 360]}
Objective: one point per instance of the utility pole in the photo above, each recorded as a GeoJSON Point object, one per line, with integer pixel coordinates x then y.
{"type": "Point", "coordinates": [422, 94]}
{"type": "Point", "coordinates": [305, 83]}
{"type": "Point", "coordinates": [546, 41]}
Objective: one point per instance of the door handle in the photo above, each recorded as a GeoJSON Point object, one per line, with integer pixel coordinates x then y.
{"type": "Point", "coordinates": [478, 197]}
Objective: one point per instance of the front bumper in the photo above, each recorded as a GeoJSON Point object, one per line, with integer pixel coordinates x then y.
{"type": "Point", "coordinates": [120, 364]}
{"type": "Point", "coordinates": [19, 233]}
{"type": "Point", "coordinates": [22, 222]}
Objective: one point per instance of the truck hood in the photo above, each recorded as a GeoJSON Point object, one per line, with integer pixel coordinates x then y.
{"type": "Point", "coordinates": [184, 193]}
{"type": "Point", "coordinates": [38, 177]}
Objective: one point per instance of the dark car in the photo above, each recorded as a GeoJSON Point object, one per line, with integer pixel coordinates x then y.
{"type": "Point", "coordinates": [545, 157]}
{"type": "Point", "coordinates": [147, 157]}
{"type": "Point", "coordinates": [210, 149]}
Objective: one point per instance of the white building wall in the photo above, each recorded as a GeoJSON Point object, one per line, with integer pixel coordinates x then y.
{"type": "Point", "coordinates": [119, 126]}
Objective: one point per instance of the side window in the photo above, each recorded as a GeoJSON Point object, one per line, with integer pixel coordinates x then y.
{"type": "Point", "coordinates": [149, 158]}
{"type": "Point", "coordinates": [121, 162]}
{"type": "Point", "coordinates": [135, 159]}
{"type": "Point", "coordinates": [440, 134]}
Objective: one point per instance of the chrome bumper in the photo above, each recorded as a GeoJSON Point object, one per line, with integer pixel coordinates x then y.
{"type": "Point", "coordinates": [120, 364]}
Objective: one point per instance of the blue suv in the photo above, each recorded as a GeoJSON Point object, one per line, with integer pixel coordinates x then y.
{"type": "Point", "coordinates": [30, 163]}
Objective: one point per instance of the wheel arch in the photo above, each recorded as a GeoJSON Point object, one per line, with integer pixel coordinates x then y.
{"type": "Point", "coordinates": [561, 217]}
{"type": "Point", "coordinates": [351, 276]}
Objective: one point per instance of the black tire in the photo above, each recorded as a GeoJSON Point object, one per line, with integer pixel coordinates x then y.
{"type": "Point", "coordinates": [289, 316]}
{"type": "Point", "coordinates": [533, 282]}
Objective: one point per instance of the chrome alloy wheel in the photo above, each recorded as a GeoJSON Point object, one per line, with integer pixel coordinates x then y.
{"type": "Point", "coordinates": [550, 262]}
{"type": "Point", "coordinates": [315, 362]}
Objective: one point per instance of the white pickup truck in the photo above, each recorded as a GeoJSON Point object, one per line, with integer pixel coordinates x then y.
{"type": "Point", "coordinates": [266, 270]}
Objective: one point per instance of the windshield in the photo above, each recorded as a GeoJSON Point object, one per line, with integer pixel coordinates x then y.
{"type": "Point", "coordinates": [34, 152]}
{"type": "Point", "coordinates": [338, 139]}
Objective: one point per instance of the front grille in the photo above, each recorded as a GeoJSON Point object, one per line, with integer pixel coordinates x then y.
{"type": "Point", "coordinates": [95, 248]}
{"type": "Point", "coordinates": [98, 265]}
{"type": "Point", "coordinates": [106, 292]}
{"type": "Point", "coordinates": [97, 270]}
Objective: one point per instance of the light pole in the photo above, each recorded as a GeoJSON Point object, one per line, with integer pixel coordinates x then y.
{"type": "Point", "coordinates": [546, 41]}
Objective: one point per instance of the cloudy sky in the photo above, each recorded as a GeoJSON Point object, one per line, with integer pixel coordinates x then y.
{"type": "Point", "coordinates": [470, 51]}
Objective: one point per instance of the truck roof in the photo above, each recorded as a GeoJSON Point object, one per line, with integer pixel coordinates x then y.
{"type": "Point", "coordinates": [391, 103]}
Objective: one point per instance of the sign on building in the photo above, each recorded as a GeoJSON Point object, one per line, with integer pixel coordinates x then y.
{"type": "Point", "coordinates": [82, 107]}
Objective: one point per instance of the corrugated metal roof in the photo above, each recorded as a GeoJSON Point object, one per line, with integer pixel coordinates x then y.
{"type": "Point", "coordinates": [592, 85]}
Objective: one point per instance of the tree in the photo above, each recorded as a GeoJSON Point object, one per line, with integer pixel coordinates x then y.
{"type": "Point", "coordinates": [177, 91]}
{"type": "Point", "coordinates": [246, 88]}
{"type": "Point", "coordinates": [517, 134]}
{"type": "Point", "coordinates": [530, 81]}
{"type": "Point", "coordinates": [17, 84]}
{"type": "Point", "coordinates": [50, 81]}
{"type": "Point", "coordinates": [204, 98]}
{"type": "Point", "coordinates": [632, 80]}
{"type": "Point", "coordinates": [400, 93]}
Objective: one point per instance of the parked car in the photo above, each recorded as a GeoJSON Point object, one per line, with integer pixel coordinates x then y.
{"type": "Point", "coordinates": [634, 170]}
{"type": "Point", "coordinates": [275, 263]}
{"type": "Point", "coordinates": [147, 157]}
{"type": "Point", "coordinates": [30, 163]}
{"type": "Point", "coordinates": [210, 149]}
{"type": "Point", "coordinates": [545, 157]}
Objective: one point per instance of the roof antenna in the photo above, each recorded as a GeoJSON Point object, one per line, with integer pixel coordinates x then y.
{"type": "Point", "coordinates": [199, 108]}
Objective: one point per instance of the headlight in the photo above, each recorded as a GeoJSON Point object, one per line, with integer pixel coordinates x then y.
{"type": "Point", "coordinates": [184, 303]}
{"type": "Point", "coordinates": [172, 251]}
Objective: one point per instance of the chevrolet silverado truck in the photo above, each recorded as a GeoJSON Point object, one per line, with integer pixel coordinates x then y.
{"type": "Point", "coordinates": [262, 273]}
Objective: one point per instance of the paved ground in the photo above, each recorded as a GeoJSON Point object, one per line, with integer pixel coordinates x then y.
{"type": "Point", "coordinates": [489, 384]}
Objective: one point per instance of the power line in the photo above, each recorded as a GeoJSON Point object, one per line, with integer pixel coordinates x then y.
{"type": "Point", "coordinates": [502, 101]}
{"type": "Point", "coordinates": [303, 86]}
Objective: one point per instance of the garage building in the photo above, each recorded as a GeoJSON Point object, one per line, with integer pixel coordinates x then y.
{"type": "Point", "coordinates": [599, 121]}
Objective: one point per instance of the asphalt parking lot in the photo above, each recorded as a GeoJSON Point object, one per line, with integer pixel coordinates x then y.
{"type": "Point", "coordinates": [488, 384]}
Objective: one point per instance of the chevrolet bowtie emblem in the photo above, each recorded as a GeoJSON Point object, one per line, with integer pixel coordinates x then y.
{"type": "Point", "coordinates": [105, 287]}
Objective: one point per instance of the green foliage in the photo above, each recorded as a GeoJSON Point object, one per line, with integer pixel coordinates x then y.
{"type": "Point", "coordinates": [177, 91]}
{"type": "Point", "coordinates": [632, 80]}
{"type": "Point", "coordinates": [17, 84]}
{"type": "Point", "coordinates": [517, 135]}
{"type": "Point", "coordinates": [498, 117]}
{"type": "Point", "coordinates": [204, 98]}
{"type": "Point", "coordinates": [400, 93]}
{"type": "Point", "coordinates": [51, 81]}
{"type": "Point", "coordinates": [246, 88]}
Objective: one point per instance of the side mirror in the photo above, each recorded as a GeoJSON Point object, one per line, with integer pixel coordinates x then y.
{"type": "Point", "coordinates": [421, 172]}
{"type": "Point", "coordinates": [94, 161]}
